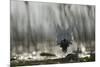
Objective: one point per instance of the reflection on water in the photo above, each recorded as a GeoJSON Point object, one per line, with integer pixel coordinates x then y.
{"type": "Point", "coordinates": [37, 27]}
